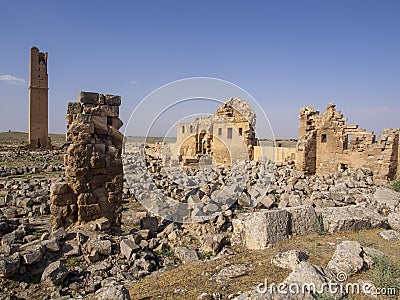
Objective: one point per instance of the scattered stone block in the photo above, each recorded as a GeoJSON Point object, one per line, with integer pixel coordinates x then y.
{"type": "Point", "coordinates": [259, 229]}
{"type": "Point", "coordinates": [347, 258]}
{"type": "Point", "coordinates": [112, 291]}
{"type": "Point", "coordinates": [128, 247]}
{"type": "Point", "coordinates": [150, 223]}
{"type": "Point", "coordinates": [186, 255]}
{"type": "Point", "coordinates": [9, 265]}
{"type": "Point", "coordinates": [351, 218]}
{"type": "Point", "coordinates": [32, 255]}
{"type": "Point", "coordinates": [302, 220]}
{"type": "Point", "coordinates": [289, 259]}
{"type": "Point", "coordinates": [51, 245]}
{"type": "Point", "coordinates": [103, 247]}
{"type": "Point", "coordinates": [54, 274]}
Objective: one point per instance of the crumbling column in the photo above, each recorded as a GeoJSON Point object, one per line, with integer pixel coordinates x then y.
{"type": "Point", "coordinates": [93, 164]}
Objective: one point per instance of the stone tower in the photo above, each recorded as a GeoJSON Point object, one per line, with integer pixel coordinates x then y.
{"type": "Point", "coordinates": [38, 100]}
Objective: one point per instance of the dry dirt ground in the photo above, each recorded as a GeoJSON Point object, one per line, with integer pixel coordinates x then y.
{"type": "Point", "coordinates": [189, 281]}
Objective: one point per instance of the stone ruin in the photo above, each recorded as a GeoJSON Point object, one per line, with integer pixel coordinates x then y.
{"type": "Point", "coordinates": [93, 165]}
{"type": "Point", "coordinates": [38, 100]}
{"type": "Point", "coordinates": [326, 145]}
{"type": "Point", "coordinates": [227, 136]}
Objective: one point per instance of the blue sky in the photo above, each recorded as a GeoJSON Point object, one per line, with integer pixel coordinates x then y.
{"type": "Point", "coordinates": [286, 54]}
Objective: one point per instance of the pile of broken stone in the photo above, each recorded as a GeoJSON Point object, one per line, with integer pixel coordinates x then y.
{"type": "Point", "coordinates": [80, 261]}
{"type": "Point", "coordinates": [128, 257]}
{"type": "Point", "coordinates": [31, 162]}
{"type": "Point", "coordinates": [82, 254]}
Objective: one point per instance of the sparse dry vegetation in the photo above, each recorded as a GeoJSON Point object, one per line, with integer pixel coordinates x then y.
{"type": "Point", "coordinates": [195, 278]}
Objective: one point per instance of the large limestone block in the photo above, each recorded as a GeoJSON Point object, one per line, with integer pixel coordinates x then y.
{"type": "Point", "coordinates": [352, 218]}
{"type": "Point", "coordinates": [385, 199]}
{"type": "Point", "coordinates": [302, 219]}
{"type": "Point", "coordinates": [314, 279]}
{"type": "Point", "coordinates": [87, 97]}
{"type": "Point", "coordinates": [259, 229]}
{"type": "Point", "coordinates": [347, 258]}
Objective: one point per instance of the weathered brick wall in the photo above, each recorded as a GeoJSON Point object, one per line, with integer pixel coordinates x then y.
{"type": "Point", "coordinates": [326, 144]}
{"type": "Point", "coordinates": [93, 164]}
{"type": "Point", "coordinates": [209, 135]}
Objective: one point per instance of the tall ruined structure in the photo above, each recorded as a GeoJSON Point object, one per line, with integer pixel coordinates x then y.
{"type": "Point", "coordinates": [227, 136]}
{"type": "Point", "coordinates": [93, 165]}
{"type": "Point", "coordinates": [327, 144]}
{"type": "Point", "coordinates": [38, 100]}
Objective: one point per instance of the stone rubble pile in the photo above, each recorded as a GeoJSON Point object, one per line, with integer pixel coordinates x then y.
{"type": "Point", "coordinates": [261, 183]}
{"type": "Point", "coordinates": [86, 259]}
{"type": "Point", "coordinates": [31, 162]}
{"type": "Point", "coordinates": [25, 197]}
{"type": "Point", "coordinates": [93, 165]}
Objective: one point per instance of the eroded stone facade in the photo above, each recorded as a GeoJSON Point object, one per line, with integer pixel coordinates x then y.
{"type": "Point", "coordinates": [227, 136]}
{"type": "Point", "coordinates": [38, 100]}
{"type": "Point", "coordinates": [93, 164]}
{"type": "Point", "coordinates": [327, 144]}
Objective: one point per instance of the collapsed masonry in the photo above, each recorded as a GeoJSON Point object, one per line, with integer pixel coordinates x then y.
{"type": "Point", "coordinates": [326, 144]}
{"type": "Point", "coordinates": [227, 136]}
{"type": "Point", "coordinates": [93, 164]}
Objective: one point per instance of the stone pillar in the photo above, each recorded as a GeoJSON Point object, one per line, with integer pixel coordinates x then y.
{"type": "Point", "coordinates": [38, 100]}
{"type": "Point", "coordinates": [93, 164]}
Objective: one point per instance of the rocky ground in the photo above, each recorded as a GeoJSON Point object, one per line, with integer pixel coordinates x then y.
{"type": "Point", "coordinates": [303, 229]}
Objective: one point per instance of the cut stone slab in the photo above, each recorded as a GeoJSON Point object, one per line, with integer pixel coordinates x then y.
{"type": "Point", "coordinates": [212, 243]}
{"type": "Point", "coordinates": [51, 245]}
{"type": "Point", "coordinates": [347, 258]}
{"type": "Point", "coordinates": [386, 199]}
{"type": "Point", "coordinates": [350, 218]}
{"type": "Point", "coordinates": [302, 219]}
{"type": "Point", "coordinates": [259, 229]}
{"type": "Point", "coordinates": [59, 234]}
{"type": "Point", "coordinates": [101, 246]}
{"type": "Point", "coordinates": [150, 223]}
{"type": "Point", "coordinates": [54, 274]}
{"type": "Point", "coordinates": [128, 247]}
{"type": "Point", "coordinates": [32, 255]}
{"type": "Point", "coordinates": [307, 274]}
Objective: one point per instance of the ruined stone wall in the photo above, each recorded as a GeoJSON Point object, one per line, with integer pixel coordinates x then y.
{"type": "Point", "coordinates": [38, 100]}
{"type": "Point", "coordinates": [227, 136]}
{"type": "Point", "coordinates": [93, 164]}
{"type": "Point", "coordinates": [326, 145]}
{"type": "Point", "coordinates": [276, 154]}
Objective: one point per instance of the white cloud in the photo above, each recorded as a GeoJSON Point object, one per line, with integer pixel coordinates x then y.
{"type": "Point", "coordinates": [13, 80]}
{"type": "Point", "coordinates": [133, 82]}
